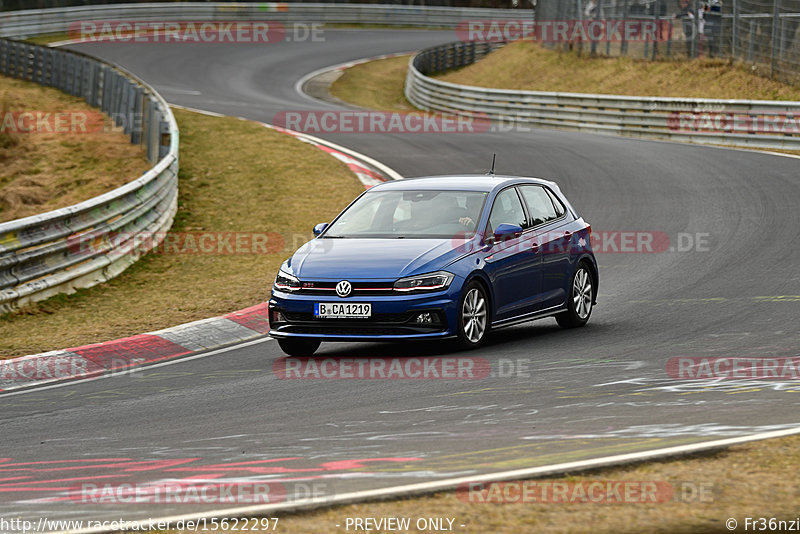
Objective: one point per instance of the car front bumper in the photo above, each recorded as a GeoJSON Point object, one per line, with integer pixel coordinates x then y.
{"type": "Point", "coordinates": [393, 317]}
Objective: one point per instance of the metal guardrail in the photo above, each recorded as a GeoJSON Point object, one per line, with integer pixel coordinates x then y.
{"type": "Point", "coordinates": [48, 253]}
{"type": "Point", "coordinates": [696, 120]}
{"type": "Point", "coordinates": [34, 22]}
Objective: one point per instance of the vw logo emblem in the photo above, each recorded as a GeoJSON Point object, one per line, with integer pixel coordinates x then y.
{"type": "Point", "coordinates": [343, 288]}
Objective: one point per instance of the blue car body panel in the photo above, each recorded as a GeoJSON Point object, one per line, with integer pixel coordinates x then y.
{"type": "Point", "coordinates": [527, 276]}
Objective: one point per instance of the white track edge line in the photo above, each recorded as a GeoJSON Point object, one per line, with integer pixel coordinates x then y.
{"type": "Point", "coordinates": [131, 370]}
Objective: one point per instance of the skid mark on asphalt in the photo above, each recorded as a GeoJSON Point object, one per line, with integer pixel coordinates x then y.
{"type": "Point", "coordinates": [536, 454]}
{"type": "Point", "coordinates": [715, 385]}
{"type": "Point", "coordinates": [136, 385]}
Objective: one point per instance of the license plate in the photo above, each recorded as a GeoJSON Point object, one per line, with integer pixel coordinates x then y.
{"type": "Point", "coordinates": [335, 310]}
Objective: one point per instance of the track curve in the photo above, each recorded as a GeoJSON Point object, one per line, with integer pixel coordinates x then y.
{"type": "Point", "coordinates": [598, 391]}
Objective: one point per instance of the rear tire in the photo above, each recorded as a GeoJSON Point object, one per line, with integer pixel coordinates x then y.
{"type": "Point", "coordinates": [579, 300]}
{"type": "Point", "coordinates": [298, 347]}
{"type": "Point", "coordinates": [473, 316]}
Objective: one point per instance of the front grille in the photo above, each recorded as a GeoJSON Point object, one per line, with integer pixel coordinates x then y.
{"type": "Point", "coordinates": [359, 288]}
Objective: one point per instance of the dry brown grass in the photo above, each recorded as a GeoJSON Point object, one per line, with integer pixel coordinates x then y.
{"type": "Point", "coordinates": [44, 171]}
{"type": "Point", "coordinates": [235, 176]}
{"type": "Point", "coordinates": [529, 66]}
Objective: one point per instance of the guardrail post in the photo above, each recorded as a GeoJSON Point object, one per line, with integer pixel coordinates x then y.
{"type": "Point", "coordinates": [130, 106]}
{"type": "Point", "coordinates": [69, 74]}
{"type": "Point", "coordinates": [38, 67]}
{"type": "Point", "coordinates": [94, 85]}
{"type": "Point", "coordinates": [12, 60]}
{"type": "Point", "coordinates": [105, 90]}
{"type": "Point", "coordinates": [3, 55]}
{"type": "Point", "coordinates": [136, 117]}
{"type": "Point", "coordinates": [164, 140]}
{"type": "Point", "coordinates": [55, 73]}
{"type": "Point", "coordinates": [47, 67]}
{"type": "Point", "coordinates": [77, 81]}
{"type": "Point", "coordinates": [116, 99]}
{"type": "Point", "coordinates": [152, 130]}
{"type": "Point", "coordinates": [123, 104]}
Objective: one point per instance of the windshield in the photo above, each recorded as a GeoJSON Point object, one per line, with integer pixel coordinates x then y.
{"type": "Point", "coordinates": [411, 214]}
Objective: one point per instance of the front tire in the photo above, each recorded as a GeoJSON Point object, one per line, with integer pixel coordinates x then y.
{"type": "Point", "coordinates": [298, 347]}
{"type": "Point", "coordinates": [473, 316]}
{"type": "Point", "coordinates": [580, 299]}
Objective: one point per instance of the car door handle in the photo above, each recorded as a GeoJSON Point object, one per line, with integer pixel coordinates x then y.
{"type": "Point", "coordinates": [535, 247]}
{"type": "Point", "coordinates": [567, 235]}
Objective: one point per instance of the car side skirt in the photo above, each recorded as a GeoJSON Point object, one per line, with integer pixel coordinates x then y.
{"type": "Point", "coordinates": [541, 314]}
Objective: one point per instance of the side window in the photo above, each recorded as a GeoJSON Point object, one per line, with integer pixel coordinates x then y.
{"type": "Point", "coordinates": [540, 205]}
{"type": "Point", "coordinates": [507, 209]}
{"type": "Point", "coordinates": [560, 209]}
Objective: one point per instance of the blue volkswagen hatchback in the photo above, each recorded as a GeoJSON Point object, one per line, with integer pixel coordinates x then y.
{"type": "Point", "coordinates": [437, 257]}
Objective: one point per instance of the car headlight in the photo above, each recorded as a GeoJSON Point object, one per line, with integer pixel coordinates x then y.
{"type": "Point", "coordinates": [286, 282]}
{"type": "Point", "coordinates": [425, 282]}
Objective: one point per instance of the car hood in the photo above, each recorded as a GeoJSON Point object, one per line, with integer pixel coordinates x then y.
{"type": "Point", "coordinates": [338, 259]}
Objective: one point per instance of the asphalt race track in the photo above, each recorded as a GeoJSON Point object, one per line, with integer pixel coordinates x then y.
{"type": "Point", "coordinates": [552, 395]}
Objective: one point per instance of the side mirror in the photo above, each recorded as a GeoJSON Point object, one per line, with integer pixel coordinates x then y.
{"type": "Point", "coordinates": [506, 231]}
{"type": "Point", "coordinates": [318, 229]}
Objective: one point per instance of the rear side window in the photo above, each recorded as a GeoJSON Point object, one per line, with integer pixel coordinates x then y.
{"type": "Point", "coordinates": [540, 204]}
{"type": "Point", "coordinates": [560, 209]}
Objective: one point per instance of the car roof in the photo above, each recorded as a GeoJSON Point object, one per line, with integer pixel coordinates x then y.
{"type": "Point", "coordinates": [459, 182]}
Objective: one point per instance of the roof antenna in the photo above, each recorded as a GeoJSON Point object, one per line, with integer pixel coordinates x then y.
{"type": "Point", "coordinates": [491, 172]}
